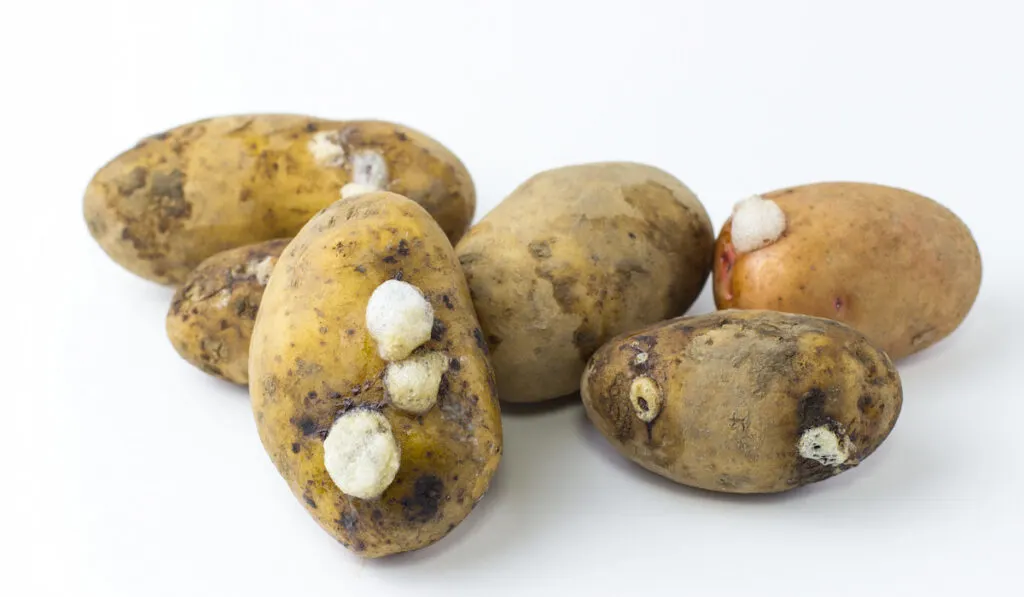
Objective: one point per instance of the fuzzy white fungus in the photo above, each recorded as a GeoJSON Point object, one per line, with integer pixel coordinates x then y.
{"type": "Point", "coordinates": [369, 169]}
{"type": "Point", "coordinates": [646, 399]}
{"type": "Point", "coordinates": [361, 454]}
{"type": "Point", "coordinates": [355, 189]}
{"type": "Point", "coordinates": [327, 149]}
{"type": "Point", "coordinates": [756, 223]}
{"type": "Point", "coordinates": [412, 384]}
{"type": "Point", "coordinates": [399, 319]}
{"type": "Point", "coordinates": [822, 444]}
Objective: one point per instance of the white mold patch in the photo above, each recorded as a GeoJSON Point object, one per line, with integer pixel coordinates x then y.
{"type": "Point", "coordinates": [223, 299]}
{"type": "Point", "coordinates": [412, 384]}
{"type": "Point", "coordinates": [645, 396]}
{"type": "Point", "coordinates": [640, 358]}
{"type": "Point", "coordinates": [756, 222]}
{"type": "Point", "coordinates": [825, 446]}
{"type": "Point", "coordinates": [262, 270]}
{"type": "Point", "coordinates": [327, 149]}
{"type": "Point", "coordinates": [369, 169]}
{"type": "Point", "coordinates": [355, 189]}
{"type": "Point", "coordinates": [399, 319]}
{"type": "Point", "coordinates": [361, 454]}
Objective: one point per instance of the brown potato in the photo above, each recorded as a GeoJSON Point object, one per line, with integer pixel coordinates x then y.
{"type": "Point", "coordinates": [575, 256]}
{"type": "Point", "coordinates": [388, 455]}
{"type": "Point", "coordinates": [743, 401]}
{"type": "Point", "coordinates": [212, 314]}
{"type": "Point", "coordinates": [897, 266]}
{"type": "Point", "coordinates": [181, 196]}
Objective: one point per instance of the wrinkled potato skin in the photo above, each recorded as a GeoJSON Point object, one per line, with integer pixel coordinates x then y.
{"type": "Point", "coordinates": [897, 266]}
{"type": "Point", "coordinates": [739, 389]}
{"type": "Point", "coordinates": [213, 312]}
{"type": "Point", "coordinates": [312, 359]}
{"type": "Point", "coordinates": [181, 196]}
{"type": "Point", "coordinates": [575, 256]}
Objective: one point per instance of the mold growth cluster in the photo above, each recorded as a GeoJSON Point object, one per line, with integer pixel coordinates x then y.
{"type": "Point", "coordinates": [399, 319]}
{"type": "Point", "coordinates": [369, 169]}
{"type": "Point", "coordinates": [361, 454]}
{"type": "Point", "coordinates": [355, 189]}
{"type": "Point", "coordinates": [327, 149]}
{"type": "Point", "coordinates": [825, 446]}
{"type": "Point", "coordinates": [756, 222]}
{"type": "Point", "coordinates": [413, 384]}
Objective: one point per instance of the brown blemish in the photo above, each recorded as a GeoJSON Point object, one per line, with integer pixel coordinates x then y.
{"type": "Point", "coordinates": [425, 500]}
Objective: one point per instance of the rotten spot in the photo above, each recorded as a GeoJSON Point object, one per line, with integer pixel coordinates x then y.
{"type": "Point", "coordinates": [350, 522]}
{"type": "Point", "coordinates": [447, 302]}
{"type": "Point", "coordinates": [540, 249]}
{"type": "Point", "coordinates": [479, 337]}
{"type": "Point", "coordinates": [437, 330]}
{"type": "Point", "coordinates": [296, 447]}
{"type": "Point", "coordinates": [424, 502]}
{"type": "Point", "coordinates": [306, 425]}
{"type": "Point", "coordinates": [403, 248]}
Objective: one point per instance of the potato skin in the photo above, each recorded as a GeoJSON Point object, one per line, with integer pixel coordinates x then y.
{"type": "Point", "coordinates": [575, 256]}
{"type": "Point", "coordinates": [181, 196]}
{"type": "Point", "coordinates": [899, 267]}
{"type": "Point", "coordinates": [312, 359]}
{"type": "Point", "coordinates": [739, 389]}
{"type": "Point", "coordinates": [213, 312]}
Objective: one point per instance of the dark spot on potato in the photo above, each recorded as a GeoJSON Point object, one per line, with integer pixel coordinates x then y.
{"type": "Point", "coordinates": [311, 127]}
{"type": "Point", "coordinates": [350, 522]}
{"type": "Point", "coordinates": [350, 332]}
{"type": "Point", "coordinates": [447, 302]}
{"type": "Point", "coordinates": [864, 403]}
{"type": "Point", "coordinates": [390, 259]}
{"type": "Point", "coordinates": [399, 275]}
{"type": "Point", "coordinates": [133, 181]}
{"type": "Point", "coordinates": [224, 324]}
{"type": "Point", "coordinates": [309, 500]}
{"type": "Point", "coordinates": [401, 136]}
{"type": "Point", "coordinates": [306, 425]}
{"type": "Point", "coordinates": [479, 337]}
{"type": "Point", "coordinates": [296, 447]}
{"type": "Point", "coordinates": [438, 330]}
{"type": "Point", "coordinates": [403, 248]}
{"type": "Point", "coordinates": [361, 269]}
{"type": "Point", "coordinates": [632, 236]}
{"type": "Point", "coordinates": [323, 329]}
{"type": "Point", "coordinates": [359, 545]}
{"type": "Point", "coordinates": [454, 365]}
{"type": "Point", "coordinates": [376, 514]}
{"type": "Point", "coordinates": [422, 505]}
{"type": "Point", "coordinates": [540, 249]}
{"type": "Point", "coordinates": [811, 409]}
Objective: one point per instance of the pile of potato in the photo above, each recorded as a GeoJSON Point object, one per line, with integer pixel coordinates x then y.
{"type": "Point", "coordinates": [331, 266]}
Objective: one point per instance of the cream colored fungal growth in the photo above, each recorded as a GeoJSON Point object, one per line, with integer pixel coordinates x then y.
{"type": "Point", "coordinates": [361, 454]}
{"type": "Point", "coordinates": [369, 169]}
{"type": "Point", "coordinates": [399, 319]}
{"type": "Point", "coordinates": [327, 149]}
{"type": "Point", "coordinates": [646, 399]}
{"type": "Point", "coordinates": [263, 269]}
{"type": "Point", "coordinates": [412, 384]}
{"type": "Point", "coordinates": [825, 446]}
{"type": "Point", "coordinates": [355, 189]}
{"type": "Point", "coordinates": [756, 222]}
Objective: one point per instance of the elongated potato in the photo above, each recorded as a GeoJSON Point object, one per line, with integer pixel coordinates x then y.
{"type": "Point", "coordinates": [369, 377]}
{"type": "Point", "coordinates": [743, 401]}
{"type": "Point", "coordinates": [575, 256]}
{"type": "Point", "coordinates": [897, 266]}
{"type": "Point", "coordinates": [212, 314]}
{"type": "Point", "coordinates": [181, 196]}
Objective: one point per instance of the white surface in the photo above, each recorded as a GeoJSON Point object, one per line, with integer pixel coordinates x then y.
{"type": "Point", "coordinates": [126, 472]}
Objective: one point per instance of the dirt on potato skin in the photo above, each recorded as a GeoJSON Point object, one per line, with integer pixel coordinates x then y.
{"type": "Point", "coordinates": [212, 314]}
{"type": "Point", "coordinates": [312, 360]}
{"type": "Point", "coordinates": [740, 388]}
{"type": "Point", "coordinates": [178, 197]}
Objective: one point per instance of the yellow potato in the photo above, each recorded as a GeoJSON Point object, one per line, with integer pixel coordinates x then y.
{"type": "Point", "coordinates": [369, 378]}
{"type": "Point", "coordinates": [179, 197]}
{"type": "Point", "coordinates": [897, 266]}
{"type": "Point", "coordinates": [212, 314]}
{"type": "Point", "coordinates": [575, 256]}
{"type": "Point", "coordinates": [743, 401]}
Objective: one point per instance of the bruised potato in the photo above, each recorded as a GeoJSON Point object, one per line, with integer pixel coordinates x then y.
{"type": "Point", "coordinates": [743, 401]}
{"type": "Point", "coordinates": [369, 377]}
{"type": "Point", "coordinates": [575, 256]}
{"type": "Point", "coordinates": [897, 266]}
{"type": "Point", "coordinates": [179, 197]}
{"type": "Point", "coordinates": [212, 314]}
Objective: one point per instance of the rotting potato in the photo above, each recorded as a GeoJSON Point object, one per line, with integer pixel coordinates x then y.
{"type": "Point", "coordinates": [388, 455]}
{"type": "Point", "coordinates": [212, 314]}
{"type": "Point", "coordinates": [743, 401]}
{"type": "Point", "coordinates": [181, 196]}
{"type": "Point", "coordinates": [575, 256]}
{"type": "Point", "coordinates": [897, 266]}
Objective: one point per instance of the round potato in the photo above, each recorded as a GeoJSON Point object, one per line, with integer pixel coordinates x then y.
{"type": "Point", "coordinates": [743, 401]}
{"type": "Point", "coordinates": [369, 377]}
{"type": "Point", "coordinates": [575, 256]}
{"type": "Point", "coordinates": [212, 314]}
{"type": "Point", "coordinates": [181, 196]}
{"type": "Point", "coordinates": [897, 266]}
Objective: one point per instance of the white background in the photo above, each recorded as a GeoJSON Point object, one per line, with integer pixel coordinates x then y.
{"type": "Point", "coordinates": [127, 472]}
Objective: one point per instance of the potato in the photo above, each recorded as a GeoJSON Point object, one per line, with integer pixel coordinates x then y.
{"type": "Point", "coordinates": [897, 266]}
{"type": "Point", "coordinates": [388, 455]}
{"type": "Point", "coordinates": [181, 196]}
{"type": "Point", "coordinates": [743, 401]}
{"type": "Point", "coordinates": [575, 256]}
{"type": "Point", "coordinates": [212, 315]}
